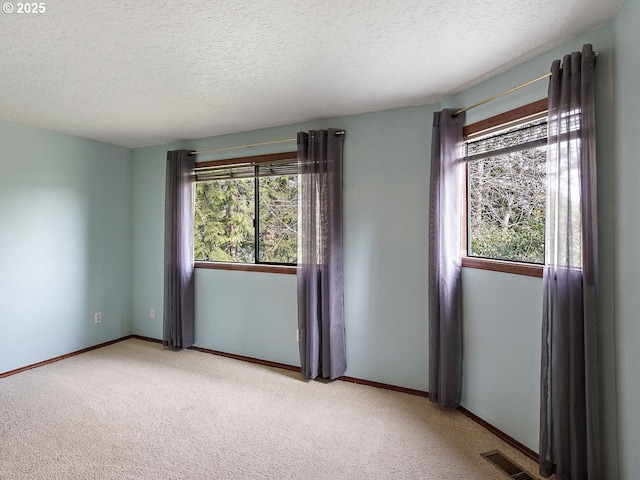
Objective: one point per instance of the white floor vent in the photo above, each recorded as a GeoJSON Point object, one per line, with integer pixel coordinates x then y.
{"type": "Point", "coordinates": [507, 466]}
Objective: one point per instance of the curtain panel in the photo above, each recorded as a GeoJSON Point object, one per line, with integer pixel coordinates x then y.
{"type": "Point", "coordinates": [178, 321]}
{"type": "Point", "coordinates": [321, 331]}
{"type": "Point", "coordinates": [570, 412]}
{"type": "Point", "coordinates": [445, 285]}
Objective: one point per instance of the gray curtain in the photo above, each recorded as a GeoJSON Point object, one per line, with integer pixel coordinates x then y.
{"type": "Point", "coordinates": [178, 323]}
{"type": "Point", "coordinates": [445, 289]}
{"type": "Point", "coordinates": [320, 284]}
{"type": "Point", "coordinates": [570, 415]}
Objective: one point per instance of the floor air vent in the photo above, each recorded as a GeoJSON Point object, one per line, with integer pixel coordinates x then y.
{"type": "Point", "coordinates": [507, 466]}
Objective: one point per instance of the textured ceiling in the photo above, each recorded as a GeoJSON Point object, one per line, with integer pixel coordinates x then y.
{"type": "Point", "coordinates": [154, 71]}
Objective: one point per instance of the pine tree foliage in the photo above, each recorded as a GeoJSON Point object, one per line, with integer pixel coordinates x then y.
{"type": "Point", "coordinates": [224, 220]}
{"type": "Point", "coordinates": [223, 223]}
{"type": "Point", "coordinates": [279, 219]}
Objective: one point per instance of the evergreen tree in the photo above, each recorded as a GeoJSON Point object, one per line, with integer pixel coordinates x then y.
{"type": "Point", "coordinates": [224, 220]}
{"type": "Point", "coordinates": [223, 224]}
{"type": "Point", "coordinates": [279, 219]}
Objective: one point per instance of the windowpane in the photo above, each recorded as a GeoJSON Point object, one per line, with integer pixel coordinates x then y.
{"type": "Point", "coordinates": [223, 224]}
{"type": "Point", "coordinates": [278, 226]}
{"type": "Point", "coordinates": [507, 194]}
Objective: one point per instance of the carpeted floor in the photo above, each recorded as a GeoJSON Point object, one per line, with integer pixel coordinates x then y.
{"type": "Point", "coordinates": [133, 410]}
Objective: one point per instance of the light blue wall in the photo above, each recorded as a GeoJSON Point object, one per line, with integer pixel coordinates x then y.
{"type": "Point", "coordinates": [65, 243]}
{"type": "Point", "coordinates": [501, 367]}
{"type": "Point", "coordinates": [148, 237]}
{"type": "Point", "coordinates": [627, 222]}
{"type": "Point", "coordinates": [502, 311]}
{"type": "Point", "coordinates": [385, 212]}
{"type": "Point", "coordinates": [248, 313]}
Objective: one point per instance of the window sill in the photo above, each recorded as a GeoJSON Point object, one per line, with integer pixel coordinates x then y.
{"type": "Point", "coordinates": [248, 267]}
{"type": "Point", "coordinates": [516, 268]}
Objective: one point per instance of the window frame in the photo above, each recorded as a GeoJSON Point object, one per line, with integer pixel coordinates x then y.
{"type": "Point", "coordinates": [498, 121]}
{"type": "Point", "coordinates": [256, 266]}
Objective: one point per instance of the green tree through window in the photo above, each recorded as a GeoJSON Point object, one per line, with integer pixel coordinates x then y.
{"type": "Point", "coordinates": [223, 223]}
{"type": "Point", "coordinates": [278, 226]}
{"type": "Point", "coordinates": [226, 220]}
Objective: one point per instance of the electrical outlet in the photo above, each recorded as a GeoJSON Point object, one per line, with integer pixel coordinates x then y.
{"type": "Point", "coordinates": [152, 313]}
{"type": "Point", "coordinates": [98, 317]}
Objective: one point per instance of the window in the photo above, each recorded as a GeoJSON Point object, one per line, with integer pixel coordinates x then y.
{"type": "Point", "coordinates": [246, 210]}
{"type": "Point", "coordinates": [506, 186]}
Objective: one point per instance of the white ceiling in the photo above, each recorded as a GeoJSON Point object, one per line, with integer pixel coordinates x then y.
{"type": "Point", "coordinates": [147, 72]}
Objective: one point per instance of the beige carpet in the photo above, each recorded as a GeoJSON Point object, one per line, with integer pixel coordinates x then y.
{"type": "Point", "coordinates": [134, 410]}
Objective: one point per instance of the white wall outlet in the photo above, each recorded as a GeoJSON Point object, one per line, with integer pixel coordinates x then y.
{"type": "Point", "coordinates": [152, 313]}
{"type": "Point", "coordinates": [98, 317]}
